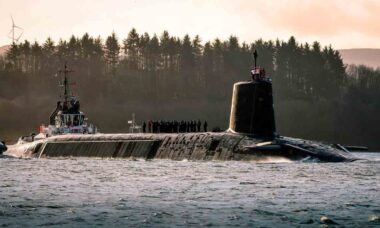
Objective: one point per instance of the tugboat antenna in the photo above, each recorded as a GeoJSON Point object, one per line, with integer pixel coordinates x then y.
{"type": "Point", "coordinates": [66, 82]}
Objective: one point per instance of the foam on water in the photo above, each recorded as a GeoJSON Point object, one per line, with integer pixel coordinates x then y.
{"type": "Point", "coordinates": [272, 159]}
{"type": "Point", "coordinates": [83, 192]}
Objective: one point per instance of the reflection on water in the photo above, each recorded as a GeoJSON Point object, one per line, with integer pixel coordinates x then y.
{"type": "Point", "coordinates": [88, 192]}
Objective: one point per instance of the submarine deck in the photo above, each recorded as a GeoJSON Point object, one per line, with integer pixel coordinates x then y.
{"type": "Point", "coordinates": [191, 146]}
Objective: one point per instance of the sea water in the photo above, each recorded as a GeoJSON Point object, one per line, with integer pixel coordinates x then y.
{"type": "Point", "coordinates": [84, 192]}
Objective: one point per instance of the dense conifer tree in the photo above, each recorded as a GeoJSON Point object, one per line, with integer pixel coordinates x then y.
{"type": "Point", "coordinates": [112, 53]}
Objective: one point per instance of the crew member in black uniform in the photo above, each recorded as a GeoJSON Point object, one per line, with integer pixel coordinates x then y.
{"type": "Point", "coordinates": [144, 127]}
{"type": "Point", "coordinates": [205, 126]}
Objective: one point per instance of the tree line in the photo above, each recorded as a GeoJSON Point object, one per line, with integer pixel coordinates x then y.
{"type": "Point", "coordinates": [162, 77]}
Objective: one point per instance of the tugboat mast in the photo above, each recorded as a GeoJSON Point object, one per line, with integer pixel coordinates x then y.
{"type": "Point", "coordinates": [66, 82]}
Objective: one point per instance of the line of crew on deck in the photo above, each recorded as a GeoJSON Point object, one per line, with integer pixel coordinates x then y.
{"type": "Point", "coordinates": [174, 126]}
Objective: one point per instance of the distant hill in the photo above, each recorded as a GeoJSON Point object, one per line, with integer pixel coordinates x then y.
{"type": "Point", "coordinates": [366, 56]}
{"type": "Point", "coordinates": [4, 49]}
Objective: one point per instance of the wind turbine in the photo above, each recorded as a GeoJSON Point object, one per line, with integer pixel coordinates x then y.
{"type": "Point", "coordinates": [11, 33]}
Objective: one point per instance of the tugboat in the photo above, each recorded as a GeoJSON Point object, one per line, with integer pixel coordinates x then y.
{"type": "Point", "coordinates": [252, 134]}
{"type": "Point", "coordinates": [3, 147]}
{"type": "Point", "coordinates": [67, 117]}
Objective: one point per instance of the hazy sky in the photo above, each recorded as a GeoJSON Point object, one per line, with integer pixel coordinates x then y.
{"type": "Point", "coordinates": [341, 23]}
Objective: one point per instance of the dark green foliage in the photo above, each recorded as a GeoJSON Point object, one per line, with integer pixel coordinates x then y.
{"type": "Point", "coordinates": [112, 51]}
{"type": "Point", "coordinates": [167, 77]}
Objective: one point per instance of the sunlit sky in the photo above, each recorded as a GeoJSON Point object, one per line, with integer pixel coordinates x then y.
{"type": "Point", "coordinates": [341, 23]}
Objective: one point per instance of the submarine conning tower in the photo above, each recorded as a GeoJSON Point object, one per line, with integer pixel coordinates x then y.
{"type": "Point", "coordinates": [252, 109]}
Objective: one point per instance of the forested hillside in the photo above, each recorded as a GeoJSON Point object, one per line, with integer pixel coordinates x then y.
{"type": "Point", "coordinates": [167, 77]}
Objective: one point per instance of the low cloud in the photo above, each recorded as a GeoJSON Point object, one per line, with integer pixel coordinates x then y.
{"type": "Point", "coordinates": [320, 18]}
{"type": "Point", "coordinates": [344, 24]}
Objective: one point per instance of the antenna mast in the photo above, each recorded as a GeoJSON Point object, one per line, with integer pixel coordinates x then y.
{"type": "Point", "coordinates": [66, 83]}
{"type": "Point", "coordinates": [255, 56]}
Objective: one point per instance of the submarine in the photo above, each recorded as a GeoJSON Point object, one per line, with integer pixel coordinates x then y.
{"type": "Point", "coordinates": [251, 135]}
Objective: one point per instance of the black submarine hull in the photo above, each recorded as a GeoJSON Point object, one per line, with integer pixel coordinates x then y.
{"type": "Point", "coordinates": [190, 146]}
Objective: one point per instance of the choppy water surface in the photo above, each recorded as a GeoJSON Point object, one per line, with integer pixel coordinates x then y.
{"type": "Point", "coordinates": [88, 192]}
